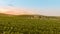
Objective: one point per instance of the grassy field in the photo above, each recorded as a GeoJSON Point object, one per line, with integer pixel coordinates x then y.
{"type": "Point", "coordinates": [29, 24]}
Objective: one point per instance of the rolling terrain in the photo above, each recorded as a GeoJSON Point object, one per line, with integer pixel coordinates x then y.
{"type": "Point", "coordinates": [29, 24]}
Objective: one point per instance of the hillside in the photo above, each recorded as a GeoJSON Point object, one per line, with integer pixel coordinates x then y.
{"type": "Point", "coordinates": [29, 24]}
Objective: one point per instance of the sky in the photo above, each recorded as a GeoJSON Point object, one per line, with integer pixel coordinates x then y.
{"type": "Point", "coordinates": [43, 7]}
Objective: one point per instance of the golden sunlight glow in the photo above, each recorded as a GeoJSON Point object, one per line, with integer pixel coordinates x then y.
{"type": "Point", "coordinates": [15, 11]}
{"type": "Point", "coordinates": [3, 10]}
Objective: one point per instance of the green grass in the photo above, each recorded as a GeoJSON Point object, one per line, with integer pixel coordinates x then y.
{"type": "Point", "coordinates": [24, 25]}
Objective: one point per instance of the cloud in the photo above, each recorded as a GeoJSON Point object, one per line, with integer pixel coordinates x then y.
{"type": "Point", "coordinates": [15, 10]}
{"type": "Point", "coordinates": [19, 10]}
{"type": "Point", "coordinates": [50, 12]}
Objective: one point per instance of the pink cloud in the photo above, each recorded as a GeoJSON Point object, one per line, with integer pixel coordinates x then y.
{"type": "Point", "coordinates": [15, 10]}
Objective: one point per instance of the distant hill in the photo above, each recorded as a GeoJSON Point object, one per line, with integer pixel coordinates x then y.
{"type": "Point", "coordinates": [32, 16]}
